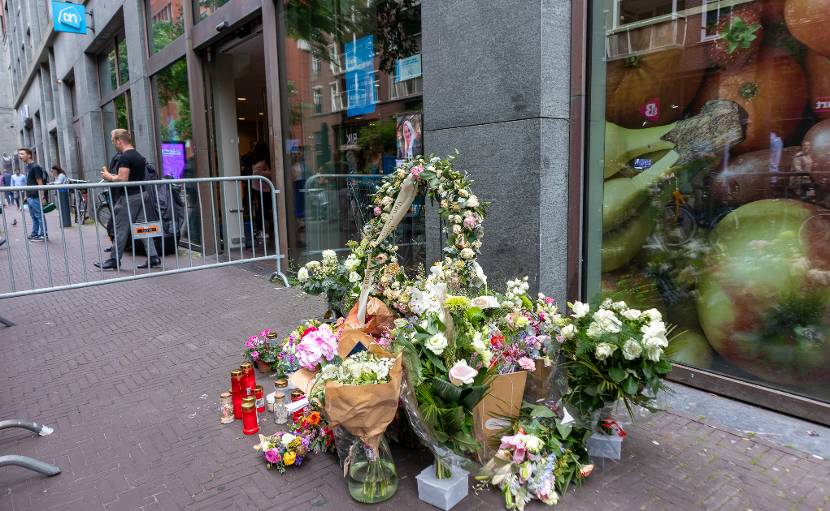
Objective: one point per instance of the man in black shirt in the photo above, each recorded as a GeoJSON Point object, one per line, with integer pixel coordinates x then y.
{"type": "Point", "coordinates": [35, 176]}
{"type": "Point", "coordinates": [129, 208]}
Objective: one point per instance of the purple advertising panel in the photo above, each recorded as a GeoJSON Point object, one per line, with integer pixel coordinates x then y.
{"type": "Point", "coordinates": [173, 156]}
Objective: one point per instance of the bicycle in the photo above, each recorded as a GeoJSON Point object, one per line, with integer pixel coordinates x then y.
{"type": "Point", "coordinates": [684, 219]}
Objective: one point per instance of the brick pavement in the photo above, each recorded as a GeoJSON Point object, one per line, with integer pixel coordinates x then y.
{"type": "Point", "coordinates": [129, 375]}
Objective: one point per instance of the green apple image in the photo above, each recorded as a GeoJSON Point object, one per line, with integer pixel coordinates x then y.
{"type": "Point", "coordinates": [764, 296]}
{"type": "Point", "coordinates": [690, 348]}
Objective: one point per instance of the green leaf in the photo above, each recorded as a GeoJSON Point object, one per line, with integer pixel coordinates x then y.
{"type": "Point", "coordinates": [441, 436]}
{"type": "Point", "coordinates": [446, 390]}
{"type": "Point", "coordinates": [453, 418]}
{"type": "Point", "coordinates": [465, 441]}
{"type": "Point", "coordinates": [471, 396]}
{"type": "Point", "coordinates": [563, 429]}
{"type": "Point", "coordinates": [436, 361]}
{"type": "Point", "coordinates": [663, 367]}
{"type": "Point", "coordinates": [474, 314]}
{"type": "Point", "coordinates": [616, 374]}
{"type": "Point", "coordinates": [539, 411]}
{"type": "Point", "coordinates": [630, 386]}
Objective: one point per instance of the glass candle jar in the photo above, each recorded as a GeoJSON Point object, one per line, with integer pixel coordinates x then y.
{"type": "Point", "coordinates": [296, 395]}
{"type": "Point", "coordinates": [225, 408]}
{"type": "Point", "coordinates": [280, 411]}
{"type": "Point", "coordinates": [250, 426]}
{"type": "Point", "coordinates": [281, 385]}
{"type": "Point", "coordinates": [259, 395]}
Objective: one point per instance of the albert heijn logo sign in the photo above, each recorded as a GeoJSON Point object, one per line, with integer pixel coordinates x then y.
{"type": "Point", "coordinates": [68, 17]}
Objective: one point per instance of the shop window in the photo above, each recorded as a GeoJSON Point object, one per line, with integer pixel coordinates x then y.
{"type": "Point", "coordinates": [173, 121]}
{"type": "Point", "coordinates": [116, 113]}
{"type": "Point", "coordinates": [340, 120]}
{"type": "Point", "coordinates": [166, 22]}
{"type": "Point", "coordinates": [715, 199]}
{"type": "Point", "coordinates": [113, 67]}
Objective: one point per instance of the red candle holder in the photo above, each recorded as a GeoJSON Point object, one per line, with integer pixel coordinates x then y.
{"type": "Point", "coordinates": [237, 393]}
{"type": "Point", "coordinates": [296, 395]}
{"type": "Point", "coordinates": [250, 426]}
{"type": "Point", "coordinates": [248, 377]}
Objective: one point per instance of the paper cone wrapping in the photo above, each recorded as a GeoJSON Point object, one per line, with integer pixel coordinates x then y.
{"type": "Point", "coordinates": [365, 410]}
{"type": "Point", "coordinates": [497, 410]}
{"type": "Point", "coordinates": [380, 318]}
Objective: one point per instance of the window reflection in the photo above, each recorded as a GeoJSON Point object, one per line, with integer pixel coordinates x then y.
{"type": "Point", "coordinates": [166, 23]}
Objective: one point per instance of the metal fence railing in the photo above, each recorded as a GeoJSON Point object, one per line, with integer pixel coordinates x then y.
{"type": "Point", "coordinates": [190, 224]}
{"type": "Point", "coordinates": [337, 206]}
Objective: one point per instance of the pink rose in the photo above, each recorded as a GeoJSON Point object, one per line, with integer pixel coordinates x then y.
{"type": "Point", "coordinates": [462, 374]}
{"type": "Point", "coordinates": [377, 211]}
{"type": "Point", "coordinates": [416, 171]}
{"type": "Point", "coordinates": [272, 456]}
{"type": "Point", "coordinates": [527, 364]}
{"type": "Point", "coordinates": [470, 222]}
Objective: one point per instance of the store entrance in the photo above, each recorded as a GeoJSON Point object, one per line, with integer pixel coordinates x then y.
{"type": "Point", "coordinates": [240, 124]}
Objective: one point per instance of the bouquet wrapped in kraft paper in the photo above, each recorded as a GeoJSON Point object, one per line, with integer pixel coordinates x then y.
{"type": "Point", "coordinates": [379, 318]}
{"type": "Point", "coordinates": [365, 411]}
{"type": "Point", "coordinates": [499, 408]}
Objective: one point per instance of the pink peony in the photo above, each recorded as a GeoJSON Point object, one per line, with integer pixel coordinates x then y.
{"type": "Point", "coordinates": [316, 345]}
{"type": "Point", "coordinates": [416, 171]}
{"type": "Point", "coordinates": [272, 456]}
{"type": "Point", "coordinates": [527, 364]}
{"type": "Point", "coordinates": [377, 211]}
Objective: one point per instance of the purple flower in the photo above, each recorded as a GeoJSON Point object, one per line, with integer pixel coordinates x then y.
{"type": "Point", "coordinates": [272, 456]}
{"type": "Point", "coordinates": [298, 461]}
{"type": "Point", "coordinates": [255, 355]}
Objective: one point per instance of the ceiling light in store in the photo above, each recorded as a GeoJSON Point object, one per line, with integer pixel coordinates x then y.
{"type": "Point", "coordinates": [242, 99]}
{"type": "Point", "coordinates": [240, 118]}
{"type": "Point", "coordinates": [262, 113]}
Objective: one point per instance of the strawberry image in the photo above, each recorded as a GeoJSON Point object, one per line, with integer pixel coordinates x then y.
{"type": "Point", "coordinates": [740, 33]}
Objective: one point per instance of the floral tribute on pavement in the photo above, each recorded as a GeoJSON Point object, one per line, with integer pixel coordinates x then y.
{"type": "Point", "coordinates": [507, 386]}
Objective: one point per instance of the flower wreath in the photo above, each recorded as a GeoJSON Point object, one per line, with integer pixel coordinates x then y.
{"type": "Point", "coordinates": [462, 214]}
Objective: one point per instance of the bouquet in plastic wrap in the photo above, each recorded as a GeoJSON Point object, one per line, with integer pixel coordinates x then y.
{"type": "Point", "coordinates": [613, 352]}
{"type": "Point", "coordinates": [541, 455]}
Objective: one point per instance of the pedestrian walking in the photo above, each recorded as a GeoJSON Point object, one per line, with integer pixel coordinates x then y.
{"type": "Point", "coordinates": [129, 201]}
{"type": "Point", "coordinates": [35, 176]}
{"type": "Point", "coordinates": [18, 179]}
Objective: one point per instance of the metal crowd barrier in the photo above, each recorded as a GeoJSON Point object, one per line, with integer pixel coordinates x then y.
{"type": "Point", "coordinates": [335, 208]}
{"type": "Point", "coordinates": [194, 223]}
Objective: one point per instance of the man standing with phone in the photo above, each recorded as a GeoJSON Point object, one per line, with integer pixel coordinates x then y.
{"type": "Point", "coordinates": [35, 176]}
{"type": "Point", "coordinates": [129, 205]}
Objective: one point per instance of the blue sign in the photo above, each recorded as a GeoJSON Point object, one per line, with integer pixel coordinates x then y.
{"type": "Point", "coordinates": [68, 17]}
{"type": "Point", "coordinates": [360, 76]}
{"type": "Point", "coordinates": [408, 68]}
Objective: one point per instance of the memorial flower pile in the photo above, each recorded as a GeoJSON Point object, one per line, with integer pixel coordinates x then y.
{"type": "Point", "coordinates": [331, 277]}
{"type": "Point", "coordinates": [260, 347]}
{"type": "Point", "coordinates": [290, 353]}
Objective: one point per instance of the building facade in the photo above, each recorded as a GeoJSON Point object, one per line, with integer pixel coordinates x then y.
{"type": "Point", "coordinates": [8, 135]}
{"type": "Point", "coordinates": [670, 152]}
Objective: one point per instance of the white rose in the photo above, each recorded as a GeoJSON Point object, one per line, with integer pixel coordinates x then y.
{"type": "Point", "coordinates": [579, 309]}
{"type": "Point", "coordinates": [654, 354]}
{"type": "Point", "coordinates": [302, 275]}
{"type": "Point", "coordinates": [329, 254]}
{"type": "Point", "coordinates": [462, 374]}
{"type": "Point", "coordinates": [594, 330]}
{"type": "Point", "coordinates": [619, 306]}
{"type": "Point", "coordinates": [631, 314]}
{"type": "Point", "coordinates": [654, 329]}
{"type": "Point", "coordinates": [631, 349]}
{"type": "Point", "coordinates": [485, 302]}
{"type": "Point", "coordinates": [655, 341]}
{"type": "Point", "coordinates": [437, 343]}
{"type": "Point", "coordinates": [607, 321]}
{"type": "Point", "coordinates": [354, 277]}
{"type": "Point", "coordinates": [568, 331]}
{"type": "Point", "coordinates": [472, 202]}
{"type": "Point", "coordinates": [654, 315]}
{"type": "Point", "coordinates": [604, 350]}
{"type": "Point", "coordinates": [456, 229]}
{"type": "Point", "coordinates": [463, 193]}
{"type": "Point", "coordinates": [467, 253]}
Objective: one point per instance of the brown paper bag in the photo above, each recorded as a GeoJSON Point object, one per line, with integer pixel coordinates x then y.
{"type": "Point", "coordinates": [365, 410]}
{"type": "Point", "coordinates": [501, 404]}
{"type": "Point", "coordinates": [379, 318]}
